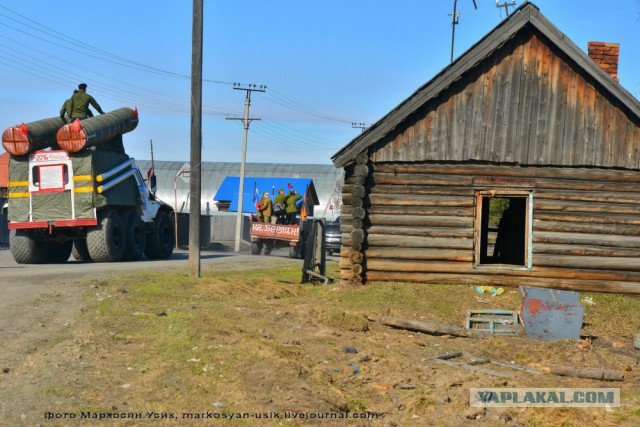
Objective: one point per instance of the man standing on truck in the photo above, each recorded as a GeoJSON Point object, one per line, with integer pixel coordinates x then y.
{"type": "Point", "coordinates": [279, 207]}
{"type": "Point", "coordinates": [265, 208]}
{"type": "Point", "coordinates": [65, 111]}
{"type": "Point", "coordinates": [80, 104]}
{"type": "Point", "coordinates": [292, 209]}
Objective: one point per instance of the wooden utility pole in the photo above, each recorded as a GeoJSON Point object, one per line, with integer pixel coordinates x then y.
{"type": "Point", "coordinates": [246, 120]}
{"type": "Point", "coordinates": [196, 140]}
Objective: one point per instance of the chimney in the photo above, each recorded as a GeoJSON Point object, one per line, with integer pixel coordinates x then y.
{"type": "Point", "coordinates": [606, 56]}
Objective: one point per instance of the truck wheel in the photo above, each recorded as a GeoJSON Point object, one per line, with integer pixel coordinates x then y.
{"type": "Point", "coordinates": [135, 237]}
{"type": "Point", "coordinates": [80, 251]}
{"type": "Point", "coordinates": [293, 252]}
{"type": "Point", "coordinates": [256, 248]}
{"type": "Point", "coordinates": [106, 241]}
{"type": "Point", "coordinates": [267, 248]}
{"type": "Point", "coordinates": [160, 242]}
{"type": "Point", "coordinates": [25, 248]}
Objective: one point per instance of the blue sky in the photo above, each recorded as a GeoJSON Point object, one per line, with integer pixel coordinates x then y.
{"type": "Point", "coordinates": [325, 64]}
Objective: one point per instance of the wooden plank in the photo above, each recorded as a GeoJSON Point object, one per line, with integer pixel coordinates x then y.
{"type": "Point", "coordinates": [422, 189]}
{"type": "Point", "coordinates": [586, 239]}
{"type": "Point", "coordinates": [451, 232]}
{"type": "Point", "coordinates": [598, 251]}
{"type": "Point", "coordinates": [421, 210]}
{"type": "Point", "coordinates": [577, 207]}
{"type": "Point", "coordinates": [385, 240]}
{"type": "Point", "coordinates": [589, 196]}
{"type": "Point", "coordinates": [515, 281]}
{"type": "Point", "coordinates": [467, 268]}
{"type": "Point", "coordinates": [572, 174]}
{"type": "Point", "coordinates": [420, 200]}
{"type": "Point", "coordinates": [380, 178]}
{"type": "Point", "coordinates": [461, 255]}
{"type": "Point", "coordinates": [420, 220]}
{"type": "Point", "coordinates": [581, 217]}
{"type": "Point", "coordinates": [588, 262]}
{"type": "Point", "coordinates": [585, 227]}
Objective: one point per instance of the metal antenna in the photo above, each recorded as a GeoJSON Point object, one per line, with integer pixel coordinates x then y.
{"type": "Point", "coordinates": [454, 21]}
{"type": "Point", "coordinates": [506, 5]}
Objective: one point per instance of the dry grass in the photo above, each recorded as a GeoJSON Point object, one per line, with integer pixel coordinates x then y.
{"type": "Point", "coordinates": [258, 341]}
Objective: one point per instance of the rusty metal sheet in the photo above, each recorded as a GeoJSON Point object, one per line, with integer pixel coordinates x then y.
{"type": "Point", "coordinates": [549, 314]}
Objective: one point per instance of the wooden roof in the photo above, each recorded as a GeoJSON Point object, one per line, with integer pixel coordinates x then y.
{"type": "Point", "coordinates": [526, 22]}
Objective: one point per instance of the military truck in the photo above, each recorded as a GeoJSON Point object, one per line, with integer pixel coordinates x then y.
{"type": "Point", "coordinates": [74, 190]}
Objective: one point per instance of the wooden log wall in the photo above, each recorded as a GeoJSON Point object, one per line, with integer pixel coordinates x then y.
{"type": "Point", "coordinates": [353, 221]}
{"type": "Point", "coordinates": [416, 223]}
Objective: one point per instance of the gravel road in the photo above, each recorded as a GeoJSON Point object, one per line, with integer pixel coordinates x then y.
{"type": "Point", "coordinates": [37, 302]}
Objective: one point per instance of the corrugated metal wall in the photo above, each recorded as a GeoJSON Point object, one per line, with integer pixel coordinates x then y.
{"type": "Point", "coordinates": [213, 173]}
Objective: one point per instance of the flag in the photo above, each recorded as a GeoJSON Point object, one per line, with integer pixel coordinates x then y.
{"type": "Point", "coordinates": [150, 172]}
{"type": "Point", "coordinates": [76, 126]}
{"type": "Point", "coordinates": [303, 208]}
{"type": "Point", "coordinates": [256, 196]}
{"type": "Point", "coordinates": [23, 129]}
{"type": "Point", "coordinates": [330, 206]}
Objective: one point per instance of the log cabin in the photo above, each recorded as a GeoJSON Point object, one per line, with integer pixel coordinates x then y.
{"type": "Point", "coordinates": [517, 164]}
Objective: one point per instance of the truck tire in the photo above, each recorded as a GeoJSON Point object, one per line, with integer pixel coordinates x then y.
{"type": "Point", "coordinates": [293, 252]}
{"type": "Point", "coordinates": [80, 251]}
{"type": "Point", "coordinates": [106, 241]}
{"type": "Point", "coordinates": [267, 248]}
{"type": "Point", "coordinates": [24, 248]}
{"type": "Point", "coordinates": [135, 236]}
{"type": "Point", "coordinates": [160, 239]}
{"type": "Point", "coordinates": [256, 248]}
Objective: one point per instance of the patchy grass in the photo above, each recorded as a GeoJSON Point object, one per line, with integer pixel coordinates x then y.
{"type": "Point", "coordinates": [258, 341]}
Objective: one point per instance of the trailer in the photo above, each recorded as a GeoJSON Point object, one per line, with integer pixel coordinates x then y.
{"type": "Point", "coordinates": [267, 237]}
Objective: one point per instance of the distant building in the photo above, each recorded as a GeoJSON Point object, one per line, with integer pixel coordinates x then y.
{"type": "Point", "coordinates": [213, 174]}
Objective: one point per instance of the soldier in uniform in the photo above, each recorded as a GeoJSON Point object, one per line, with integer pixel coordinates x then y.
{"type": "Point", "coordinates": [80, 104]}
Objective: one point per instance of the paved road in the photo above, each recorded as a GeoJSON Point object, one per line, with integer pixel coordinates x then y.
{"type": "Point", "coordinates": [13, 273]}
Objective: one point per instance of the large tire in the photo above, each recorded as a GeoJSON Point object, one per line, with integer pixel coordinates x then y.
{"type": "Point", "coordinates": [24, 248]}
{"type": "Point", "coordinates": [160, 239]}
{"type": "Point", "coordinates": [135, 237]}
{"type": "Point", "coordinates": [57, 252]}
{"type": "Point", "coordinates": [268, 247]}
{"type": "Point", "coordinates": [256, 248]}
{"type": "Point", "coordinates": [106, 241]}
{"type": "Point", "coordinates": [80, 251]}
{"type": "Point", "coordinates": [293, 252]}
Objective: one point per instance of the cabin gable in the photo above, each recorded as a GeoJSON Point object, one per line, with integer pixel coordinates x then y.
{"type": "Point", "coordinates": [527, 104]}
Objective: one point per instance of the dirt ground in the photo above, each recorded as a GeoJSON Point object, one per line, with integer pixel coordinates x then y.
{"type": "Point", "coordinates": [259, 343]}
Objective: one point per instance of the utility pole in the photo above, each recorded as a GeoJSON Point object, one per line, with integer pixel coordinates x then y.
{"type": "Point", "coordinates": [506, 5]}
{"type": "Point", "coordinates": [195, 184]}
{"type": "Point", "coordinates": [246, 120]}
{"type": "Point", "coordinates": [359, 126]}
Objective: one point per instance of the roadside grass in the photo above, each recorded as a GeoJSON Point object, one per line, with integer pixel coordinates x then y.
{"type": "Point", "coordinates": [163, 342]}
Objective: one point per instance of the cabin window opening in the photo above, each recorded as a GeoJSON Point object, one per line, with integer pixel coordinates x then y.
{"type": "Point", "coordinates": [503, 230]}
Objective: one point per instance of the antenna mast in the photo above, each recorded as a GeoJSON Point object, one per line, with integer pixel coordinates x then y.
{"type": "Point", "coordinates": [506, 5]}
{"type": "Point", "coordinates": [455, 16]}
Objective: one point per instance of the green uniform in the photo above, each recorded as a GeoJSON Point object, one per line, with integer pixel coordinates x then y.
{"type": "Point", "coordinates": [291, 201]}
{"type": "Point", "coordinates": [65, 109]}
{"type": "Point", "coordinates": [265, 209]}
{"type": "Point", "coordinates": [80, 105]}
